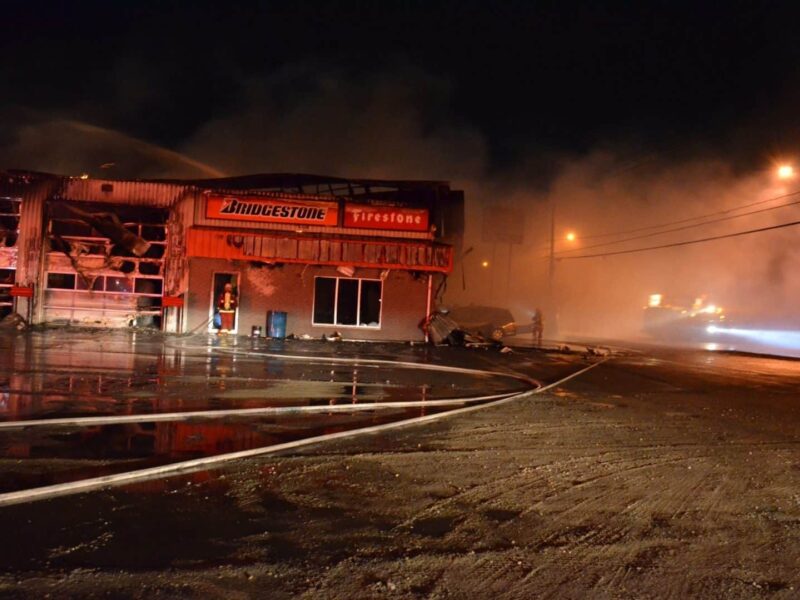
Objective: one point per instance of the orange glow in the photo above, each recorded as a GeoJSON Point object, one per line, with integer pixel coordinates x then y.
{"type": "Point", "coordinates": [485, 264]}
{"type": "Point", "coordinates": [571, 237]}
{"type": "Point", "coordinates": [785, 171]}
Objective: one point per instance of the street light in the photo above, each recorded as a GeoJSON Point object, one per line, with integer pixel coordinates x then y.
{"type": "Point", "coordinates": [785, 172]}
{"type": "Point", "coordinates": [570, 237]}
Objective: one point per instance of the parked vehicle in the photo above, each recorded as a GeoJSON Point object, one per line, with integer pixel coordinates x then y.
{"type": "Point", "coordinates": [490, 322]}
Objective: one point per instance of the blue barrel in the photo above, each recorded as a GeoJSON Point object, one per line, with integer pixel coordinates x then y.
{"type": "Point", "coordinates": [276, 324]}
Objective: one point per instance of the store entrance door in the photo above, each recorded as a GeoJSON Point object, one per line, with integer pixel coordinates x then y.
{"type": "Point", "coordinates": [224, 309]}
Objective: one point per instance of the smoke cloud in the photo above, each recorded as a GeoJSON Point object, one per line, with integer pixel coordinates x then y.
{"type": "Point", "coordinates": [399, 125]}
{"type": "Point", "coordinates": [389, 126]}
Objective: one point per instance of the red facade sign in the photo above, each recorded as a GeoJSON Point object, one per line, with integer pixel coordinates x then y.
{"type": "Point", "coordinates": [21, 292]}
{"type": "Point", "coordinates": [172, 302]}
{"type": "Point", "coordinates": [272, 210]}
{"type": "Point", "coordinates": [365, 216]}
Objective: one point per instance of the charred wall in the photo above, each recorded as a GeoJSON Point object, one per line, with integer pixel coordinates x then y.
{"type": "Point", "coordinates": [290, 288]}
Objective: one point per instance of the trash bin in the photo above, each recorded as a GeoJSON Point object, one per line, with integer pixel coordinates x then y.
{"type": "Point", "coordinates": [276, 324]}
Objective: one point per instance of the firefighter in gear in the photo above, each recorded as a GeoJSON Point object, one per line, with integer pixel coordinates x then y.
{"type": "Point", "coordinates": [227, 308]}
{"type": "Point", "coordinates": [538, 326]}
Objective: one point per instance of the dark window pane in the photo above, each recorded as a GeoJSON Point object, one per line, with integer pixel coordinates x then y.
{"type": "Point", "coordinates": [119, 284]}
{"type": "Point", "coordinates": [9, 206]}
{"type": "Point", "coordinates": [155, 251]}
{"type": "Point", "coordinates": [60, 281]}
{"type": "Point", "coordinates": [147, 286]}
{"type": "Point", "coordinates": [153, 233]}
{"type": "Point", "coordinates": [151, 302]}
{"type": "Point", "coordinates": [71, 227]}
{"type": "Point", "coordinates": [347, 304]}
{"type": "Point", "coordinates": [370, 303]}
{"type": "Point", "coordinates": [148, 268]}
{"type": "Point", "coordinates": [324, 292]}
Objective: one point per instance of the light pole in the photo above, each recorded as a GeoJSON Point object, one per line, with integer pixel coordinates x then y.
{"type": "Point", "coordinates": [551, 271]}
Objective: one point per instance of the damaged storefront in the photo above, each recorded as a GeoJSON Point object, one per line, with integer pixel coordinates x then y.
{"type": "Point", "coordinates": [89, 252]}
{"type": "Point", "coordinates": [352, 258]}
{"type": "Point", "coordinates": [9, 233]}
{"type": "Point", "coordinates": [357, 259]}
{"type": "Point", "coordinates": [104, 265]}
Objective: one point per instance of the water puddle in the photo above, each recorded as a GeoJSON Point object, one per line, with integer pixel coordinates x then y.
{"type": "Point", "coordinates": [114, 375]}
{"type": "Point", "coordinates": [44, 456]}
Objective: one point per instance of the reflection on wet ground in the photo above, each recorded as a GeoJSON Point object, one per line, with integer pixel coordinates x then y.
{"type": "Point", "coordinates": [42, 456]}
{"type": "Point", "coordinates": [58, 374]}
{"type": "Point", "coordinates": [49, 382]}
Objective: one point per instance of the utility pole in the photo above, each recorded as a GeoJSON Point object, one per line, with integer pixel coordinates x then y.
{"type": "Point", "coordinates": [551, 272]}
{"type": "Point", "coordinates": [552, 302]}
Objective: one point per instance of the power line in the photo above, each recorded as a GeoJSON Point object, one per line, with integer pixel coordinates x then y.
{"type": "Point", "coordinates": [683, 228]}
{"type": "Point", "coordinates": [681, 221]}
{"type": "Point", "coordinates": [690, 219]}
{"type": "Point", "coordinates": [684, 243]}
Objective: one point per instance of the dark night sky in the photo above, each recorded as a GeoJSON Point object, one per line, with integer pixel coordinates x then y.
{"type": "Point", "coordinates": [671, 78]}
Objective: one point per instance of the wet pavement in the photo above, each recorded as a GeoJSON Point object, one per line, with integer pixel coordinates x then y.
{"type": "Point", "coordinates": [656, 474]}
{"type": "Point", "coordinates": [83, 404]}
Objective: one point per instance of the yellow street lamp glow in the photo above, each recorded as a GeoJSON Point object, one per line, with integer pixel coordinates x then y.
{"type": "Point", "coordinates": [571, 236]}
{"type": "Point", "coordinates": [485, 264]}
{"type": "Point", "coordinates": [785, 171]}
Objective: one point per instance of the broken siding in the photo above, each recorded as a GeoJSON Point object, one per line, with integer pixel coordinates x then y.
{"type": "Point", "coordinates": [176, 277]}
{"type": "Point", "coordinates": [359, 253]}
{"type": "Point", "coordinates": [135, 193]}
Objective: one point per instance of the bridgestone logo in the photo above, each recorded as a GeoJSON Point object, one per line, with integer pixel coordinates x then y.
{"type": "Point", "coordinates": [234, 206]}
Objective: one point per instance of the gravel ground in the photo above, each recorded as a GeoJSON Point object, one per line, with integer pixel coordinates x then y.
{"type": "Point", "coordinates": [646, 477]}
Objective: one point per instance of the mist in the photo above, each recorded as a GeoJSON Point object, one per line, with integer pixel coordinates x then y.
{"type": "Point", "coordinates": [399, 125]}
{"type": "Point", "coordinates": [604, 193]}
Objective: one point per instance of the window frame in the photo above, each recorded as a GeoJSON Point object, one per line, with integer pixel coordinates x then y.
{"type": "Point", "coordinates": [358, 302]}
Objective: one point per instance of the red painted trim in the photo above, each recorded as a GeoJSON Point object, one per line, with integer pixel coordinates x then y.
{"type": "Point", "coordinates": [172, 301]}
{"type": "Point", "coordinates": [21, 291]}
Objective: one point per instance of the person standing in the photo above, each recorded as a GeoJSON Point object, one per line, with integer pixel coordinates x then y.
{"type": "Point", "coordinates": [227, 308]}
{"type": "Point", "coordinates": [538, 326]}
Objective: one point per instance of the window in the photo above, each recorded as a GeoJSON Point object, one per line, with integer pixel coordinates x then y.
{"type": "Point", "coordinates": [140, 286]}
{"type": "Point", "coordinates": [9, 221]}
{"type": "Point", "coordinates": [60, 281]}
{"type": "Point", "coordinates": [119, 284]}
{"type": "Point", "coordinates": [345, 301]}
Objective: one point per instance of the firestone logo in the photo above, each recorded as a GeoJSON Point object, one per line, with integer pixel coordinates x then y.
{"type": "Point", "coordinates": [360, 216]}
{"type": "Point", "coordinates": [385, 217]}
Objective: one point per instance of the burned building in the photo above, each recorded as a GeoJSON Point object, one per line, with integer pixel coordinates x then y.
{"type": "Point", "coordinates": [363, 258]}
